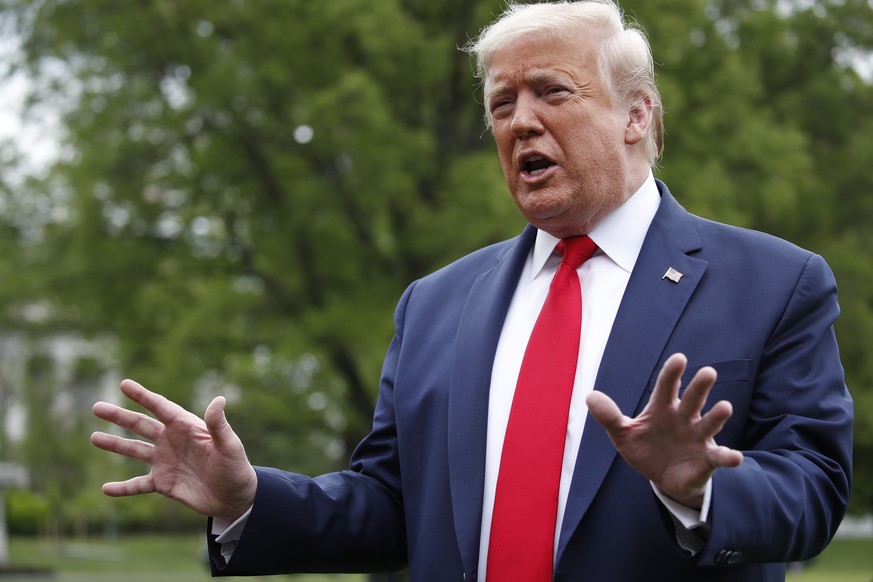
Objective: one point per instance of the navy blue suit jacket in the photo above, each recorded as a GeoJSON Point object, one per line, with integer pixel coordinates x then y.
{"type": "Point", "coordinates": [758, 309]}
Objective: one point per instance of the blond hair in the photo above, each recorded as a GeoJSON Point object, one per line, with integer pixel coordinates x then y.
{"type": "Point", "coordinates": [624, 57]}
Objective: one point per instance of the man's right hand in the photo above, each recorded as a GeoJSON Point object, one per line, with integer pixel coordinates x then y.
{"type": "Point", "coordinates": [200, 463]}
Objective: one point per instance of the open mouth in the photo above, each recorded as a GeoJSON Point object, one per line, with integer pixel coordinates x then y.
{"type": "Point", "coordinates": [536, 165]}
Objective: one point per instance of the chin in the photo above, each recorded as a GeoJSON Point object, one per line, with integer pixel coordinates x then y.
{"type": "Point", "coordinates": [539, 206]}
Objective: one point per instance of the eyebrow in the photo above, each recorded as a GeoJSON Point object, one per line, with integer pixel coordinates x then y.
{"type": "Point", "coordinates": [541, 75]}
{"type": "Point", "coordinates": [490, 90]}
{"type": "Point", "coordinates": [533, 76]}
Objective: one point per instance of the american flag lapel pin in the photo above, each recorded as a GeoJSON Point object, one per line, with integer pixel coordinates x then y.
{"type": "Point", "coordinates": [672, 274]}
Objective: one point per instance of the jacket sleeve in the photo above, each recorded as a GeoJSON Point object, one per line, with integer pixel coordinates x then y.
{"type": "Point", "coordinates": [787, 498]}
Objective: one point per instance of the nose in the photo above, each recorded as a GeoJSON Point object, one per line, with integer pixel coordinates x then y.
{"type": "Point", "coordinates": [525, 116]}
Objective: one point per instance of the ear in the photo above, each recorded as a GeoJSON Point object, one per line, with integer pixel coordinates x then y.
{"type": "Point", "coordinates": [639, 120]}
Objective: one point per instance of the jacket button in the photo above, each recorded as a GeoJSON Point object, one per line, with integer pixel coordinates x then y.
{"type": "Point", "coordinates": [728, 557]}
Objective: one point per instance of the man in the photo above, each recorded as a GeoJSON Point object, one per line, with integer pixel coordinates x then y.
{"type": "Point", "coordinates": [687, 332]}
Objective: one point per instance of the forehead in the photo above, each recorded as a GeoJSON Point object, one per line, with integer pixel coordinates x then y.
{"type": "Point", "coordinates": [531, 59]}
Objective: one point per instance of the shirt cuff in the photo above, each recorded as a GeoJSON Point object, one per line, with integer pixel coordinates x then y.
{"type": "Point", "coordinates": [688, 517]}
{"type": "Point", "coordinates": [229, 533]}
{"type": "Point", "coordinates": [691, 525]}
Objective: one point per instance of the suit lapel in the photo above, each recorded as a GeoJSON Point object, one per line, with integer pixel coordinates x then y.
{"type": "Point", "coordinates": [650, 308]}
{"type": "Point", "coordinates": [476, 344]}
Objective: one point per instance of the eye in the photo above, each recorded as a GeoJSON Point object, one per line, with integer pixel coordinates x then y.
{"type": "Point", "coordinates": [499, 106]}
{"type": "Point", "coordinates": [556, 90]}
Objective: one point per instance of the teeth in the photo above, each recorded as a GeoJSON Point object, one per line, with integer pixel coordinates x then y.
{"type": "Point", "coordinates": [536, 165]}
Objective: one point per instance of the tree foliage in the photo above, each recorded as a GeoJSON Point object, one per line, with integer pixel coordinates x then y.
{"type": "Point", "coordinates": [245, 188]}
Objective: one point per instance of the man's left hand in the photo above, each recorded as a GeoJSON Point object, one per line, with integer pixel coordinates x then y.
{"type": "Point", "coordinates": [670, 442]}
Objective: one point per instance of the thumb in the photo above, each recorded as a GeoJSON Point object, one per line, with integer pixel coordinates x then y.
{"type": "Point", "coordinates": [605, 411]}
{"type": "Point", "coordinates": [216, 422]}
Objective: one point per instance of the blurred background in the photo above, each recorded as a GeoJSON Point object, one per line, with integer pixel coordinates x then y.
{"type": "Point", "coordinates": [229, 198]}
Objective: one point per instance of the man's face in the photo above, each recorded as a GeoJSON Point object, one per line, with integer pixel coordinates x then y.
{"type": "Point", "coordinates": [563, 143]}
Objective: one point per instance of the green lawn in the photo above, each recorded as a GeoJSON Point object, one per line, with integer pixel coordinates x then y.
{"type": "Point", "coordinates": [126, 559]}
{"type": "Point", "coordinates": [842, 561]}
{"type": "Point", "coordinates": [180, 559]}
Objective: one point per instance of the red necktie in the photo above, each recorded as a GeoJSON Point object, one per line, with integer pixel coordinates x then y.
{"type": "Point", "coordinates": [526, 500]}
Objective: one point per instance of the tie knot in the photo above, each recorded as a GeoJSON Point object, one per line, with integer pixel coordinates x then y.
{"type": "Point", "coordinates": [576, 250]}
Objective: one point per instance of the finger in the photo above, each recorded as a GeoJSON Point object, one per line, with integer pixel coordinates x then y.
{"type": "Point", "coordinates": [164, 410]}
{"type": "Point", "coordinates": [713, 421]}
{"type": "Point", "coordinates": [725, 457]}
{"type": "Point", "coordinates": [216, 422]}
{"type": "Point", "coordinates": [135, 486]}
{"type": "Point", "coordinates": [136, 422]}
{"type": "Point", "coordinates": [667, 386]}
{"type": "Point", "coordinates": [130, 448]}
{"type": "Point", "coordinates": [606, 412]}
{"type": "Point", "coordinates": [697, 392]}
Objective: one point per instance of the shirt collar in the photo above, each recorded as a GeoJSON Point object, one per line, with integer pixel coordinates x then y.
{"type": "Point", "coordinates": [619, 236]}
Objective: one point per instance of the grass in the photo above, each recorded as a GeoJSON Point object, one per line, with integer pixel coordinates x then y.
{"type": "Point", "coordinates": [846, 560]}
{"type": "Point", "coordinates": [162, 558]}
{"type": "Point", "coordinates": [167, 558]}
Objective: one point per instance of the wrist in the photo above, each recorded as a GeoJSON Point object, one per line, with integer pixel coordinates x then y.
{"type": "Point", "coordinates": [243, 500]}
{"type": "Point", "coordinates": [693, 501]}
{"type": "Point", "coordinates": [692, 498]}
